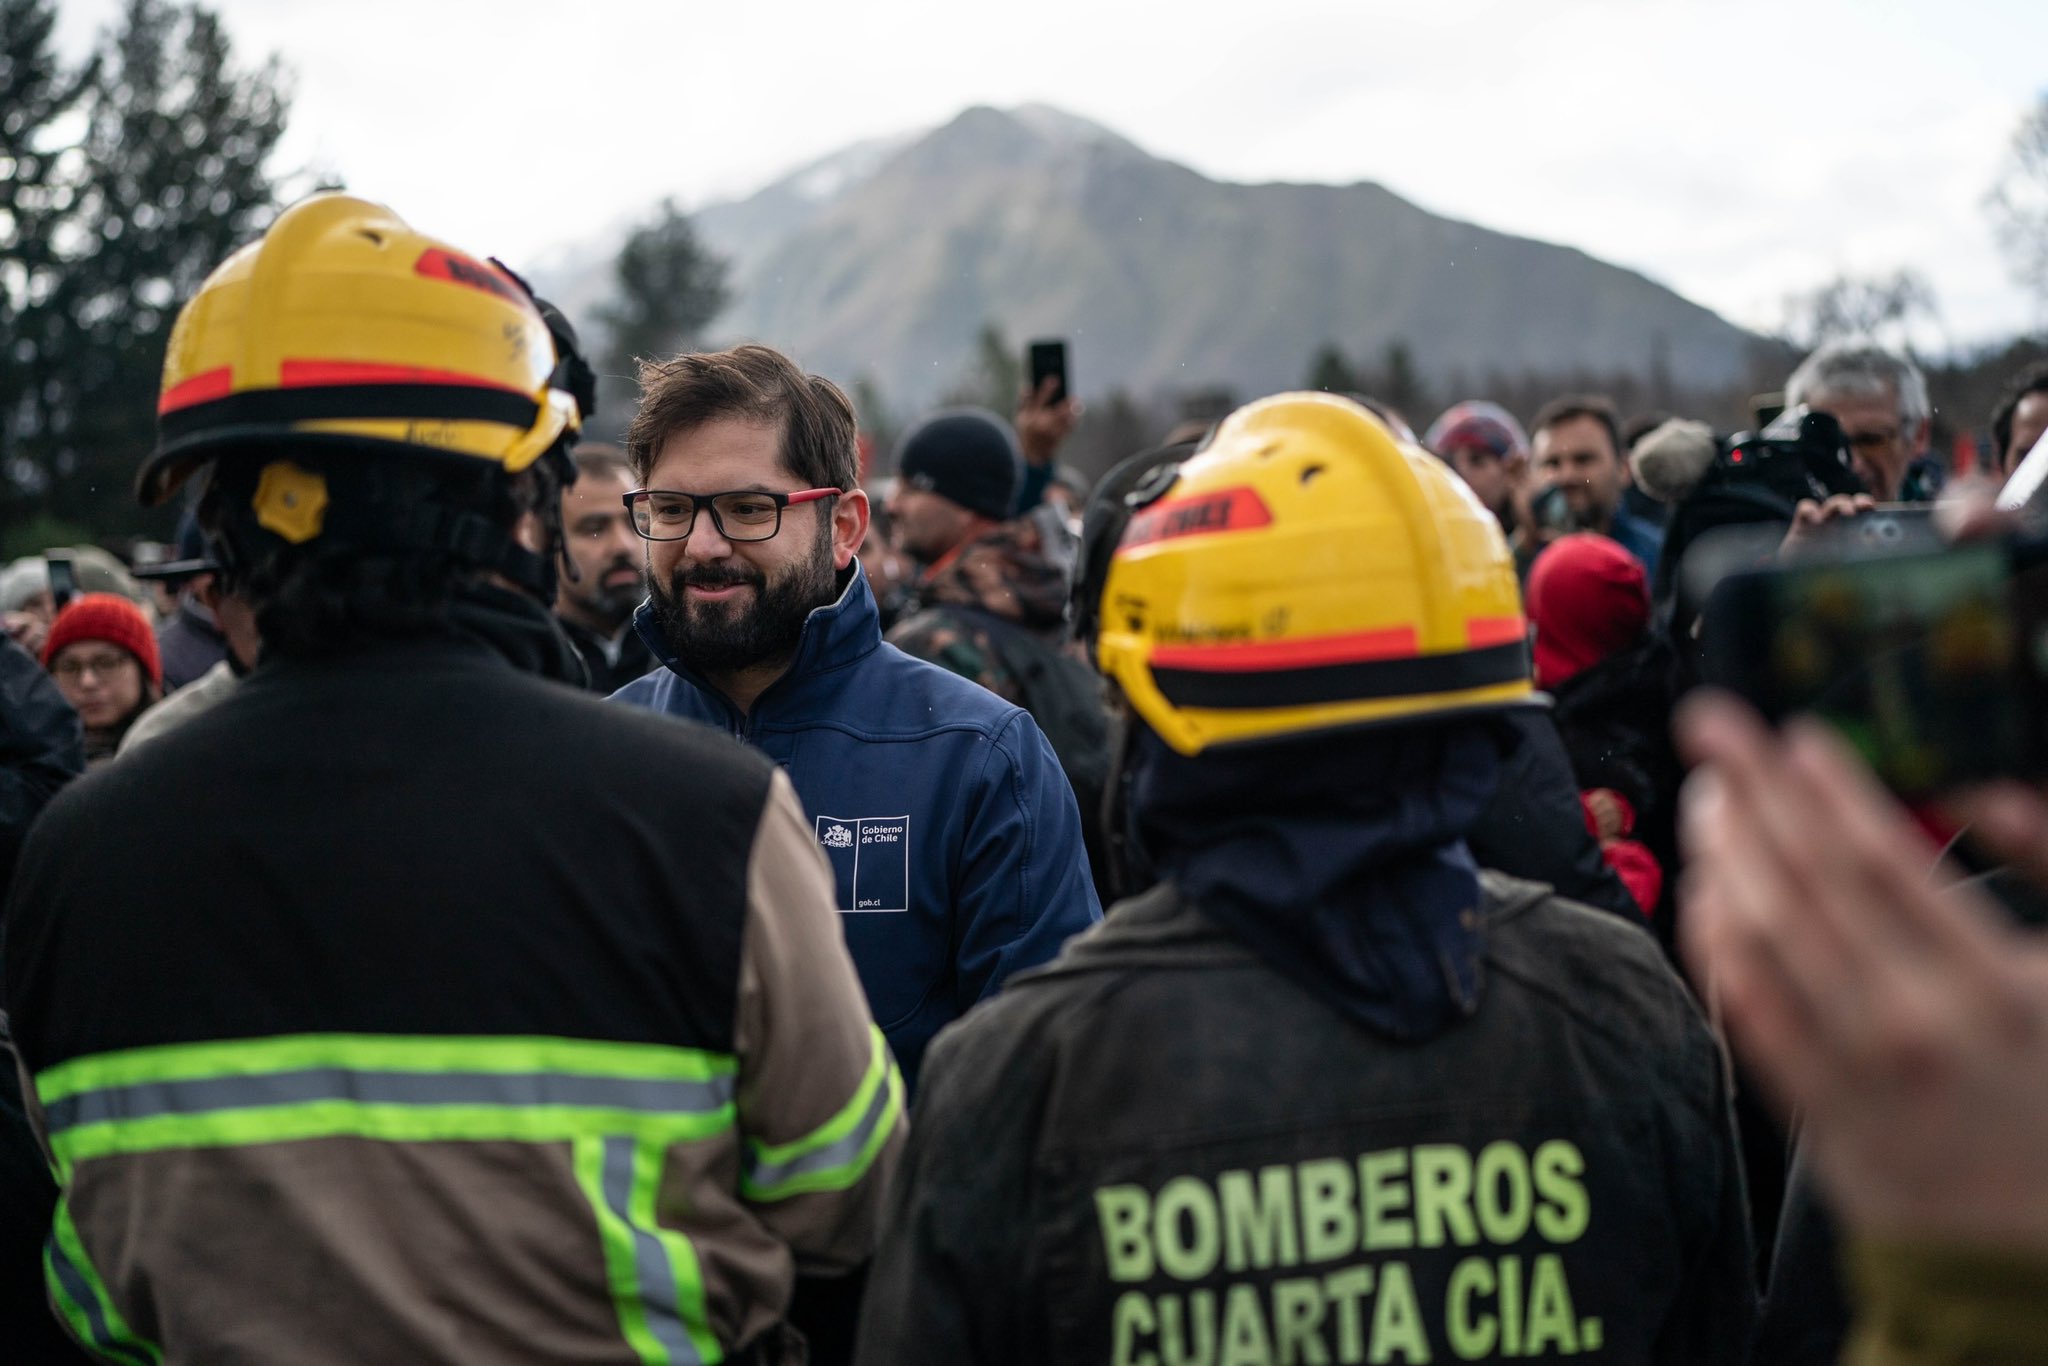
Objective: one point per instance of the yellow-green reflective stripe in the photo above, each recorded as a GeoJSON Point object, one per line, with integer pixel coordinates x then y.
{"type": "Point", "coordinates": [381, 1053]}
{"type": "Point", "coordinates": [388, 1123]}
{"type": "Point", "coordinates": [670, 1277]}
{"type": "Point", "coordinates": [615, 1236]}
{"type": "Point", "coordinates": [837, 1153]}
{"type": "Point", "coordinates": [83, 1299]}
{"type": "Point", "coordinates": [653, 1272]}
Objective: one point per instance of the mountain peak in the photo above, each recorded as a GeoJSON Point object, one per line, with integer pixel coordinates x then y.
{"type": "Point", "coordinates": [887, 259]}
{"type": "Point", "coordinates": [1057, 125]}
{"type": "Point", "coordinates": [1027, 133]}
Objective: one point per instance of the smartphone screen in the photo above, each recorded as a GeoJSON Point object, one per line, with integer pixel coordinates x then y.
{"type": "Point", "coordinates": [1918, 660]}
{"type": "Point", "coordinates": [1048, 360]}
{"type": "Point", "coordinates": [63, 580]}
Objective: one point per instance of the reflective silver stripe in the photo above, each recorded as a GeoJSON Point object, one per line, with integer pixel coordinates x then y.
{"type": "Point", "coordinates": [79, 1288]}
{"type": "Point", "coordinates": [768, 1175]}
{"type": "Point", "coordinates": [520, 1090]}
{"type": "Point", "coordinates": [650, 1259]}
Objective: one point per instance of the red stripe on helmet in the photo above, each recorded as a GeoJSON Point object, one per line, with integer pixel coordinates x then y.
{"type": "Point", "coordinates": [203, 387]}
{"type": "Point", "coordinates": [1246, 656]}
{"type": "Point", "coordinates": [317, 374]}
{"type": "Point", "coordinates": [436, 264]}
{"type": "Point", "coordinates": [1236, 509]}
{"type": "Point", "coordinates": [1496, 630]}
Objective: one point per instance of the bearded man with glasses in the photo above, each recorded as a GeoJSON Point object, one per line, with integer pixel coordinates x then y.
{"type": "Point", "coordinates": [949, 824]}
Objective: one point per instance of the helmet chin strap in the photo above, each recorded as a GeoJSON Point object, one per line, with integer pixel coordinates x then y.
{"type": "Point", "coordinates": [1129, 865]}
{"type": "Point", "coordinates": [467, 536]}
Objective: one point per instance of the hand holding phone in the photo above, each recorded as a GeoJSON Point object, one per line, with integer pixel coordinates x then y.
{"type": "Point", "coordinates": [1046, 411]}
{"type": "Point", "coordinates": [1047, 360]}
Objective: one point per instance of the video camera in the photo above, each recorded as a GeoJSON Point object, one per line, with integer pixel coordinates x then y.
{"type": "Point", "coordinates": [1800, 455]}
{"type": "Point", "coordinates": [1753, 481]}
{"type": "Point", "coordinates": [1930, 659]}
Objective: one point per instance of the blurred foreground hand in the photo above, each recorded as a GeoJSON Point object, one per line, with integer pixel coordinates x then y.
{"type": "Point", "coordinates": [1906, 1023]}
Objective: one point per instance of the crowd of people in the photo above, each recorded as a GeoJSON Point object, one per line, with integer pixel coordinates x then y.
{"type": "Point", "coordinates": [487, 895]}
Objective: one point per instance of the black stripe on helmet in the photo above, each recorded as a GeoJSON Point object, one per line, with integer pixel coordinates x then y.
{"type": "Point", "coordinates": [1461, 671]}
{"type": "Point", "coordinates": [327, 403]}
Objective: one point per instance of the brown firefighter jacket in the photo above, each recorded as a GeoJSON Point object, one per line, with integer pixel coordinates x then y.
{"type": "Point", "coordinates": [408, 1007]}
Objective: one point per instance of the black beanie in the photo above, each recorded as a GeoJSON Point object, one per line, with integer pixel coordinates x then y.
{"type": "Point", "coordinates": [966, 455]}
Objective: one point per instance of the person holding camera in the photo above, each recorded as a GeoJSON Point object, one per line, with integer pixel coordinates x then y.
{"type": "Point", "coordinates": [1880, 401]}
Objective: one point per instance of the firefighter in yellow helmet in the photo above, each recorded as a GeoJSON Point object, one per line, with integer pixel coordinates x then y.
{"type": "Point", "coordinates": [398, 1008]}
{"type": "Point", "coordinates": [347, 378]}
{"type": "Point", "coordinates": [1328, 1092]}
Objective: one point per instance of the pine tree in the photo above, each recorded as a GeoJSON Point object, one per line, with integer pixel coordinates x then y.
{"type": "Point", "coordinates": [878, 424]}
{"type": "Point", "coordinates": [169, 179]}
{"type": "Point", "coordinates": [37, 189]}
{"type": "Point", "coordinates": [1398, 385]}
{"type": "Point", "coordinates": [1329, 371]}
{"type": "Point", "coordinates": [994, 376]}
{"type": "Point", "coordinates": [668, 286]}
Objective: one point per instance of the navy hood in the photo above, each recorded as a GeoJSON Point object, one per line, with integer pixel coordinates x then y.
{"type": "Point", "coordinates": [1339, 859]}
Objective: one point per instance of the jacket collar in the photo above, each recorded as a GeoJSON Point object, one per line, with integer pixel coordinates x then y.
{"type": "Point", "coordinates": [1162, 926]}
{"type": "Point", "coordinates": [843, 631]}
{"type": "Point", "coordinates": [487, 626]}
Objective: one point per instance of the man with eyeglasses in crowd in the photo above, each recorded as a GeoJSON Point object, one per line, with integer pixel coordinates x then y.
{"type": "Point", "coordinates": [1880, 400]}
{"type": "Point", "coordinates": [951, 829]}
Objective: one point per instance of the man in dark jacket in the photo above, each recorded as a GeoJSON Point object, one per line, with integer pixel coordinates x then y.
{"type": "Point", "coordinates": [991, 605]}
{"type": "Point", "coordinates": [1366, 1103]}
{"type": "Point", "coordinates": [435, 1022]}
{"type": "Point", "coordinates": [986, 578]}
{"type": "Point", "coordinates": [595, 604]}
{"type": "Point", "coordinates": [953, 836]}
{"type": "Point", "coordinates": [191, 642]}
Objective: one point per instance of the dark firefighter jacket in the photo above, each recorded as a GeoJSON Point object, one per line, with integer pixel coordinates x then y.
{"type": "Point", "coordinates": [1160, 1149]}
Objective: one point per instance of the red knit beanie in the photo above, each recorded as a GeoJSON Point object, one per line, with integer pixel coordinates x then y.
{"type": "Point", "coordinates": [1589, 599]}
{"type": "Point", "coordinates": [109, 617]}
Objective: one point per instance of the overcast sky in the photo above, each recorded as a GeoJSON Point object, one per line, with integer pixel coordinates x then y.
{"type": "Point", "coordinates": [1737, 150]}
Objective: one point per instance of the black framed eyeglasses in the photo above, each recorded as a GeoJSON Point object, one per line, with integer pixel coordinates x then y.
{"type": "Point", "coordinates": [742, 515]}
{"type": "Point", "coordinates": [1872, 441]}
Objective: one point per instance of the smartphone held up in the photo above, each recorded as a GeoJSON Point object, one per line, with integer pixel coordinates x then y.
{"type": "Point", "coordinates": [1933, 663]}
{"type": "Point", "coordinates": [63, 579]}
{"type": "Point", "coordinates": [1047, 360]}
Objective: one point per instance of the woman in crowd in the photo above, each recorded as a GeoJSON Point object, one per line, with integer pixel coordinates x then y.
{"type": "Point", "coordinates": [1589, 601]}
{"type": "Point", "coordinates": [103, 655]}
